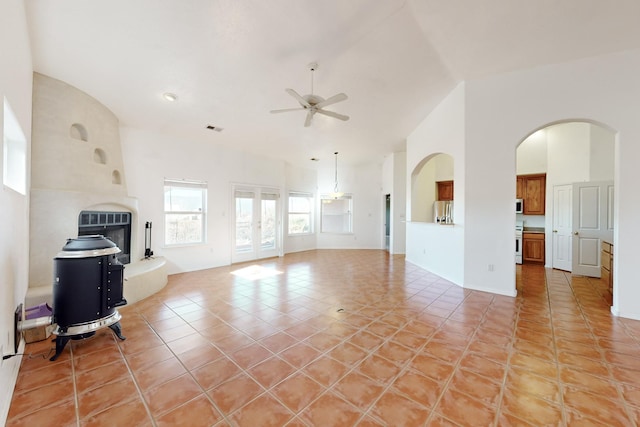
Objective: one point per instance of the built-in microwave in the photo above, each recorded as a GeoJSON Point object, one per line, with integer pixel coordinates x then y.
{"type": "Point", "coordinates": [518, 205]}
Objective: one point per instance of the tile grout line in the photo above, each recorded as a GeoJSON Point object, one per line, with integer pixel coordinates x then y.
{"type": "Point", "coordinates": [563, 408]}
{"type": "Point", "coordinates": [618, 386]}
{"type": "Point", "coordinates": [75, 387]}
{"type": "Point", "coordinates": [135, 382]}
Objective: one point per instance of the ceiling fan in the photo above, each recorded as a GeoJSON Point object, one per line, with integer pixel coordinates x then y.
{"type": "Point", "coordinates": [313, 103]}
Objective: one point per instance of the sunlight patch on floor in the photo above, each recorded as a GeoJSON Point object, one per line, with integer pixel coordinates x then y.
{"type": "Point", "coordinates": [256, 272]}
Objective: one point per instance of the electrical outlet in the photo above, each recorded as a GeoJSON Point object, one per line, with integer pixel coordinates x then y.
{"type": "Point", "coordinates": [491, 267]}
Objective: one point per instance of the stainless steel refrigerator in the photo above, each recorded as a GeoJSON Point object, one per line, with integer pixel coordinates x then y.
{"type": "Point", "coordinates": [443, 212]}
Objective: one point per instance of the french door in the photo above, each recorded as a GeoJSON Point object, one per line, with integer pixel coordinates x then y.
{"type": "Point", "coordinates": [256, 223]}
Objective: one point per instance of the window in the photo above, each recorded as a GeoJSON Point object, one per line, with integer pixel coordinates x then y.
{"type": "Point", "coordinates": [300, 213]}
{"type": "Point", "coordinates": [15, 152]}
{"type": "Point", "coordinates": [336, 214]}
{"type": "Point", "coordinates": [184, 212]}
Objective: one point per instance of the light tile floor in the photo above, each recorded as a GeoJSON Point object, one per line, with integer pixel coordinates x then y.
{"type": "Point", "coordinates": [342, 338]}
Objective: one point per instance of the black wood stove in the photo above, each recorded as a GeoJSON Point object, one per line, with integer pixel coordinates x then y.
{"type": "Point", "coordinates": [87, 288]}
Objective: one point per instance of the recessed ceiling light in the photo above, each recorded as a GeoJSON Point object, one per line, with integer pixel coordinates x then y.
{"type": "Point", "coordinates": [170, 96]}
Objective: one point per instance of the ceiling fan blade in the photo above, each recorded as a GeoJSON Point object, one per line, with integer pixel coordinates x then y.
{"type": "Point", "coordinates": [332, 100]}
{"type": "Point", "coordinates": [334, 115]}
{"type": "Point", "coordinates": [307, 121]}
{"type": "Point", "coordinates": [300, 99]}
{"type": "Point", "coordinates": [284, 110]}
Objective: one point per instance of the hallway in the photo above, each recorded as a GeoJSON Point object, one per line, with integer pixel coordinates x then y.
{"type": "Point", "coordinates": [341, 338]}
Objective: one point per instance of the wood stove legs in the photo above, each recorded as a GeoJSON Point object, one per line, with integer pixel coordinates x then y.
{"type": "Point", "coordinates": [117, 329]}
{"type": "Point", "coordinates": [62, 340]}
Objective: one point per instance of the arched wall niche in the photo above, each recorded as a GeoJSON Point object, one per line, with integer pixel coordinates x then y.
{"type": "Point", "coordinates": [79, 132]}
{"type": "Point", "coordinates": [432, 169]}
{"type": "Point", "coordinates": [99, 156]}
{"type": "Point", "coordinates": [116, 178]}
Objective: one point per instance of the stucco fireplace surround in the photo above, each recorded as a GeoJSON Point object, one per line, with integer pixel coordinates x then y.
{"type": "Point", "coordinates": [77, 166]}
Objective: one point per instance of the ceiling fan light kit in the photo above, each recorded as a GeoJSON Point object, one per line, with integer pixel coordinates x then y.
{"type": "Point", "coordinates": [313, 103]}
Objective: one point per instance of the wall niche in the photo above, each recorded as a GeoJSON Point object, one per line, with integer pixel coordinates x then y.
{"type": "Point", "coordinates": [79, 132]}
{"type": "Point", "coordinates": [99, 156]}
{"type": "Point", "coordinates": [115, 177]}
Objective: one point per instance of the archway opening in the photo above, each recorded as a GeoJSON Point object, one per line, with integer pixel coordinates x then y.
{"type": "Point", "coordinates": [576, 159]}
{"type": "Point", "coordinates": [432, 181]}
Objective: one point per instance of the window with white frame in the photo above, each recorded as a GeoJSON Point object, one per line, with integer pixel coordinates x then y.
{"type": "Point", "coordinates": [14, 145]}
{"type": "Point", "coordinates": [336, 214]}
{"type": "Point", "coordinates": [184, 212]}
{"type": "Point", "coordinates": [300, 213]}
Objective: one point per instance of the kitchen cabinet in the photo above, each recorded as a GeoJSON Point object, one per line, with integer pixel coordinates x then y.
{"type": "Point", "coordinates": [445, 190]}
{"type": "Point", "coordinates": [606, 262]}
{"type": "Point", "coordinates": [519, 187]}
{"type": "Point", "coordinates": [533, 247]}
{"type": "Point", "coordinates": [532, 190]}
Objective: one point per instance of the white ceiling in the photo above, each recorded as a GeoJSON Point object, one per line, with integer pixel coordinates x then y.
{"type": "Point", "coordinates": [229, 61]}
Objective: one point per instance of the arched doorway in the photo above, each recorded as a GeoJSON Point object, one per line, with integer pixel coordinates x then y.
{"type": "Point", "coordinates": [577, 161]}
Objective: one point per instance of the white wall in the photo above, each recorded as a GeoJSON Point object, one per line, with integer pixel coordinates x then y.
{"type": "Point", "coordinates": [16, 85]}
{"type": "Point", "coordinates": [149, 157]}
{"type": "Point", "coordinates": [399, 204]}
{"type": "Point", "coordinates": [444, 167]}
{"type": "Point", "coordinates": [602, 154]}
{"type": "Point", "coordinates": [532, 154]}
{"type": "Point", "coordinates": [434, 247]}
{"type": "Point", "coordinates": [568, 153]}
{"type": "Point", "coordinates": [394, 171]}
{"type": "Point", "coordinates": [602, 89]}
{"type": "Point", "coordinates": [423, 192]}
{"type": "Point", "coordinates": [364, 182]}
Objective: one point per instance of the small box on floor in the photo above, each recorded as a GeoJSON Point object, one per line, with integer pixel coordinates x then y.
{"type": "Point", "coordinates": [38, 333]}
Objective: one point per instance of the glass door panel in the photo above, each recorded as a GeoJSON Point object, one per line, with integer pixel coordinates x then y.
{"type": "Point", "coordinates": [244, 224]}
{"type": "Point", "coordinates": [256, 223]}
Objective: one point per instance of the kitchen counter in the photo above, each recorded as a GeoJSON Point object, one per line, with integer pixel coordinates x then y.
{"type": "Point", "coordinates": [533, 230]}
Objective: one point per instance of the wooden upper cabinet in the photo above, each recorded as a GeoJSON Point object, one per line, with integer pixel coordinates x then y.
{"type": "Point", "coordinates": [519, 187]}
{"type": "Point", "coordinates": [535, 187]}
{"type": "Point", "coordinates": [445, 190]}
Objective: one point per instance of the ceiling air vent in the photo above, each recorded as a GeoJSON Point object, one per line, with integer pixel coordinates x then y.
{"type": "Point", "coordinates": [216, 128]}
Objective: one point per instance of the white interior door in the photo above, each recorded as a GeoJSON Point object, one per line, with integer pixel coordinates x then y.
{"type": "Point", "coordinates": [592, 222]}
{"type": "Point", "coordinates": [562, 234]}
{"type": "Point", "coordinates": [256, 222]}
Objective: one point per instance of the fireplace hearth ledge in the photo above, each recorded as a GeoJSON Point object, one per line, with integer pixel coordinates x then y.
{"type": "Point", "coordinates": [142, 279]}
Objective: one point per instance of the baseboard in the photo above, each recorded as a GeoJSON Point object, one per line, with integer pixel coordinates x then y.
{"type": "Point", "coordinates": [8, 376]}
{"type": "Point", "coordinates": [496, 291]}
{"type": "Point", "coordinates": [624, 314]}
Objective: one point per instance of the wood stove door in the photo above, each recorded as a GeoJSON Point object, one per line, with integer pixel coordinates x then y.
{"type": "Point", "coordinates": [114, 284]}
{"type": "Point", "coordinates": [76, 290]}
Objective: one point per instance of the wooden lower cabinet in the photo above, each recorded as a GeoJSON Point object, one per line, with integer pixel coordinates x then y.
{"type": "Point", "coordinates": [606, 262]}
{"type": "Point", "coordinates": [533, 247]}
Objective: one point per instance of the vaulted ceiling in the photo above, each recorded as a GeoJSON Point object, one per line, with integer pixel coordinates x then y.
{"type": "Point", "coordinates": [229, 61]}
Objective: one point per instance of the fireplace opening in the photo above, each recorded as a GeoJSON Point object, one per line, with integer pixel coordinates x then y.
{"type": "Point", "coordinates": [115, 226]}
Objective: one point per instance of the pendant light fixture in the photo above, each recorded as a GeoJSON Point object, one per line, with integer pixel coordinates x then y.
{"type": "Point", "coordinates": [336, 194]}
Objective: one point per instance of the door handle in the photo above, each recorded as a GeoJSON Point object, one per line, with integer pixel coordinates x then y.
{"type": "Point", "coordinates": [575, 233]}
{"type": "Point", "coordinates": [555, 231]}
